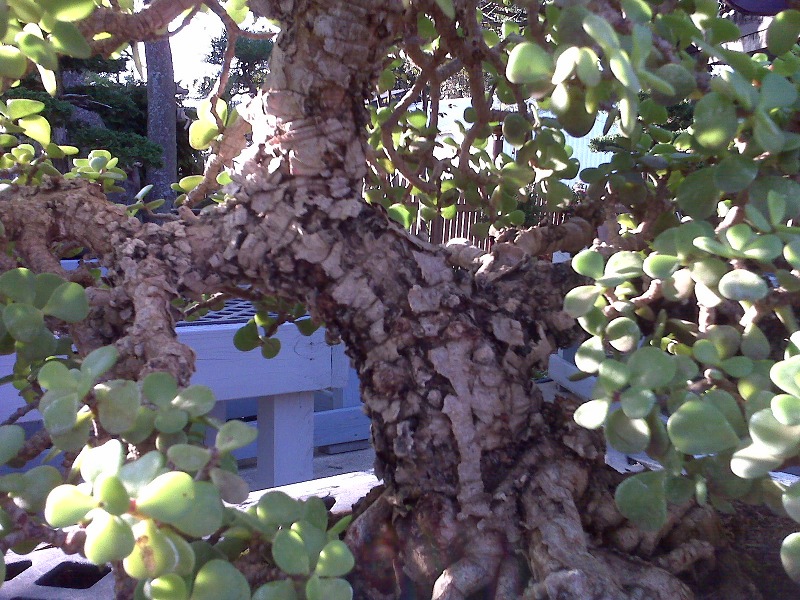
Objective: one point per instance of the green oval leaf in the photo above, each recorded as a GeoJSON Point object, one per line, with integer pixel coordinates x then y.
{"type": "Point", "coordinates": [202, 133]}
{"type": "Point", "coordinates": [592, 414]}
{"type": "Point", "coordinates": [66, 505]}
{"type": "Point", "coordinates": [278, 508]}
{"type": "Point", "coordinates": [168, 497]}
{"type": "Point", "coordinates": [206, 502]}
{"type": "Point", "coordinates": [118, 405]}
{"type": "Point", "coordinates": [621, 267]}
{"type": "Point", "coordinates": [660, 266]}
{"type": "Point", "coordinates": [580, 300]}
{"type": "Point", "coordinates": [23, 321]}
{"type": "Point", "coordinates": [13, 63]}
{"type": "Point", "coordinates": [777, 438]}
{"type": "Point", "coordinates": [187, 457]}
{"type": "Point", "coordinates": [783, 32]}
{"type": "Point", "coordinates": [196, 400]}
{"type": "Point", "coordinates": [38, 50]}
{"type": "Point", "coordinates": [698, 194]}
{"type": "Point", "coordinates": [220, 580]}
{"type": "Point", "coordinates": [67, 39]}
{"type": "Point", "coordinates": [786, 409]}
{"type": "Point", "coordinates": [715, 121]}
{"type": "Point", "coordinates": [170, 420]}
{"type": "Point", "coordinates": [754, 461]}
{"type": "Point", "coordinates": [246, 337]}
{"type": "Point", "coordinates": [19, 285]}
{"type": "Point", "coordinates": [160, 388]}
{"type": "Point", "coordinates": [790, 555]}
{"type": "Point", "coordinates": [641, 499]}
{"type": "Point", "coordinates": [637, 402]}
{"type": "Point", "coordinates": [589, 263]}
{"type": "Point", "coordinates": [735, 173]}
{"type": "Point", "coordinates": [290, 553]}
{"type": "Point", "coordinates": [232, 488]}
{"type": "Point", "coordinates": [276, 590]}
{"type": "Point", "coordinates": [623, 334]}
{"type": "Point", "coordinates": [270, 348]}
{"type": "Point", "coordinates": [69, 10]}
{"type": "Point", "coordinates": [328, 589]}
{"type": "Point", "coordinates": [108, 538]}
{"type": "Point", "coordinates": [98, 362]}
{"type": "Point", "coordinates": [12, 438]}
{"type": "Point", "coordinates": [741, 284]}
{"type": "Point", "coordinates": [590, 354]}
{"type": "Point", "coordinates": [68, 302]}
{"type": "Point", "coordinates": [627, 435]}
{"type": "Point", "coordinates": [23, 107]}
{"type": "Point", "coordinates": [234, 434]}
{"type": "Point", "coordinates": [335, 560]}
{"type": "Point", "coordinates": [698, 427]}
{"type": "Point", "coordinates": [529, 63]}
{"type": "Point", "coordinates": [651, 368]}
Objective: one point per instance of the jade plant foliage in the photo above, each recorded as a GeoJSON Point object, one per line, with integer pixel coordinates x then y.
{"type": "Point", "coordinates": [683, 295]}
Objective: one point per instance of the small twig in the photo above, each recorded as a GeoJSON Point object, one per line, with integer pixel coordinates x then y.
{"type": "Point", "coordinates": [21, 412]}
{"type": "Point", "coordinates": [391, 123]}
{"type": "Point", "coordinates": [186, 20]}
{"type": "Point", "coordinates": [653, 293]}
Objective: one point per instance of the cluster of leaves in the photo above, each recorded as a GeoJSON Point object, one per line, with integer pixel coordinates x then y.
{"type": "Point", "coordinates": [26, 301]}
{"type": "Point", "coordinates": [271, 313]}
{"type": "Point", "coordinates": [22, 163]}
{"type": "Point", "coordinates": [210, 123]}
{"type": "Point", "coordinates": [97, 64]}
{"type": "Point", "coordinates": [683, 331]}
{"type": "Point", "coordinates": [498, 186]}
{"type": "Point", "coordinates": [145, 512]}
{"type": "Point", "coordinates": [695, 332]}
{"type": "Point", "coordinates": [35, 33]}
{"type": "Point", "coordinates": [694, 341]}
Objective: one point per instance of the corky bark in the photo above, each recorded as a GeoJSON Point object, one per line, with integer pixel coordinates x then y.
{"type": "Point", "coordinates": [487, 487]}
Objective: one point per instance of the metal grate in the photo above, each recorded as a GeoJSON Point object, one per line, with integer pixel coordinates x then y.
{"type": "Point", "coordinates": [235, 311]}
{"type": "Point", "coordinates": [49, 574]}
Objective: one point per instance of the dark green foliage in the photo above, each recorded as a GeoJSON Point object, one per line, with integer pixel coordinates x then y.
{"type": "Point", "coordinates": [680, 118]}
{"type": "Point", "coordinates": [121, 106]}
{"type": "Point", "coordinates": [250, 65]}
{"type": "Point", "coordinates": [58, 112]}
{"type": "Point", "coordinates": [95, 64]}
{"type": "Point", "coordinates": [129, 147]}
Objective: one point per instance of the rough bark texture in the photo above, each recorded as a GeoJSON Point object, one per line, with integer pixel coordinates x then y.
{"type": "Point", "coordinates": [162, 119]}
{"type": "Point", "coordinates": [487, 486]}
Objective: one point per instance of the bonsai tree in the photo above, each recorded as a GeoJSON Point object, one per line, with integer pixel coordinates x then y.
{"type": "Point", "coordinates": [687, 302]}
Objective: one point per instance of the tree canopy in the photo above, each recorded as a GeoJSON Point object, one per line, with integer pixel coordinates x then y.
{"type": "Point", "coordinates": [683, 294]}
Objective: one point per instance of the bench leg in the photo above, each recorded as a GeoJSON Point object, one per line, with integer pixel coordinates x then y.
{"type": "Point", "coordinates": [285, 439]}
{"type": "Point", "coordinates": [218, 412]}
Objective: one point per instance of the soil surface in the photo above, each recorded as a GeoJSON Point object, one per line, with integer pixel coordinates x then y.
{"type": "Point", "coordinates": [757, 536]}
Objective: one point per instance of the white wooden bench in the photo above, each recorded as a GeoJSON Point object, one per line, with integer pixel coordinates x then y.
{"type": "Point", "coordinates": [283, 387]}
{"type": "Point", "coordinates": [281, 393]}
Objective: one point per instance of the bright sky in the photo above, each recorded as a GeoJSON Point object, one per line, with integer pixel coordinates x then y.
{"type": "Point", "coordinates": [190, 46]}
